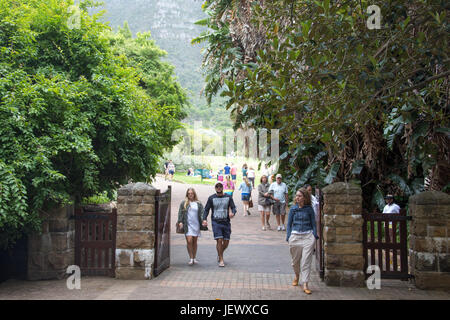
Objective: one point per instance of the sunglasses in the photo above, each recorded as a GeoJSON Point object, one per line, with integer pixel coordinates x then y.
{"type": "Point", "coordinates": [218, 187]}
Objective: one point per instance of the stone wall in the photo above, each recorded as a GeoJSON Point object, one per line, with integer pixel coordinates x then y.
{"type": "Point", "coordinates": [343, 246]}
{"type": "Point", "coordinates": [428, 240]}
{"type": "Point", "coordinates": [135, 240]}
{"type": "Point", "coordinates": [52, 251]}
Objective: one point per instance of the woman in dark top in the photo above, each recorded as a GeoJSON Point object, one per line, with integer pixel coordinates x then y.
{"type": "Point", "coordinates": [301, 235]}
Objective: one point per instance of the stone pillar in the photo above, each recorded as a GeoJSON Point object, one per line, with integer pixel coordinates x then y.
{"type": "Point", "coordinates": [135, 241]}
{"type": "Point", "coordinates": [52, 251]}
{"type": "Point", "coordinates": [428, 240]}
{"type": "Point", "coordinates": [343, 245]}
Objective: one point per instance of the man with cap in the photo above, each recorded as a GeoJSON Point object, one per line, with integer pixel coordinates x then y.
{"type": "Point", "coordinates": [390, 207]}
{"type": "Point", "coordinates": [279, 192]}
{"type": "Point", "coordinates": [220, 205]}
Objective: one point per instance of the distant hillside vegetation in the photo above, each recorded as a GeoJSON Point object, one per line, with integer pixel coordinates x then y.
{"type": "Point", "coordinates": [171, 24]}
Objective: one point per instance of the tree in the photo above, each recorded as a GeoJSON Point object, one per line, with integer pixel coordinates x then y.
{"type": "Point", "coordinates": [156, 76]}
{"type": "Point", "coordinates": [74, 119]}
{"type": "Point", "coordinates": [375, 101]}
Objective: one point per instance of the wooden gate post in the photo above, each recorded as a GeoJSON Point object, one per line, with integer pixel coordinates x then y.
{"type": "Point", "coordinates": [135, 241]}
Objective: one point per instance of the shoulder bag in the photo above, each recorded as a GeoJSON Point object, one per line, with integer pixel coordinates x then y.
{"type": "Point", "coordinates": [178, 228]}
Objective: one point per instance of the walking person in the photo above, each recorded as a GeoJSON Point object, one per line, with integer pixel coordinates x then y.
{"type": "Point", "coordinates": [190, 216]}
{"type": "Point", "coordinates": [251, 174]}
{"type": "Point", "coordinates": [226, 169]}
{"type": "Point", "coordinates": [171, 169]}
{"type": "Point", "coordinates": [314, 201]}
{"type": "Point", "coordinates": [228, 186]}
{"type": "Point", "coordinates": [244, 170]}
{"type": "Point", "coordinates": [271, 179]}
{"type": "Point", "coordinates": [264, 202]}
{"type": "Point", "coordinates": [233, 172]}
{"type": "Point", "coordinates": [246, 193]}
{"type": "Point", "coordinates": [391, 207]}
{"type": "Point", "coordinates": [279, 193]}
{"type": "Point", "coordinates": [220, 204]}
{"type": "Point", "coordinates": [301, 235]}
{"type": "Point", "coordinates": [166, 170]}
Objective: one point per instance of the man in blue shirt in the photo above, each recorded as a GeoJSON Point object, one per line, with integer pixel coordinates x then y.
{"type": "Point", "coordinates": [227, 169]}
{"type": "Point", "coordinates": [220, 205]}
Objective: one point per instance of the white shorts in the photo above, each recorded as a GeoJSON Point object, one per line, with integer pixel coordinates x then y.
{"type": "Point", "coordinates": [263, 208]}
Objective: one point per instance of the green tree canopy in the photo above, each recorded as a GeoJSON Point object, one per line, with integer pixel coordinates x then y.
{"type": "Point", "coordinates": [76, 119]}
{"type": "Point", "coordinates": [374, 101]}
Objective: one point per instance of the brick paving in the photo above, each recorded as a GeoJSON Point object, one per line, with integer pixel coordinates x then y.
{"type": "Point", "coordinates": [257, 268]}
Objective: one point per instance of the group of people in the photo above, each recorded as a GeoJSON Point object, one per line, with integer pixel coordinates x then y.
{"type": "Point", "coordinates": [192, 215]}
{"type": "Point", "coordinates": [300, 229]}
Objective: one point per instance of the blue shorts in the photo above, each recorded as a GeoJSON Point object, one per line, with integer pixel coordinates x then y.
{"type": "Point", "coordinates": [171, 172]}
{"type": "Point", "coordinates": [233, 177]}
{"type": "Point", "coordinates": [221, 230]}
{"type": "Point", "coordinates": [245, 196]}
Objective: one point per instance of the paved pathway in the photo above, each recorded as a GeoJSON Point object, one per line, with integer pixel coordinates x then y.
{"type": "Point", "coordinates": [257, 267]}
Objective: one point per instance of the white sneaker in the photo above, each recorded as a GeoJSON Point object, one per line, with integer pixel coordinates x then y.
{"type": "Point", "coordinates": [191, 262]}
{"type": "Point", "coordinates": [279, 228]}
{"type": "Point", "coordinates": [283, 228]}
{"type": "Point", "coordinates": [263, 228]}
{"type": "Point", "coordinates": [195, 261]}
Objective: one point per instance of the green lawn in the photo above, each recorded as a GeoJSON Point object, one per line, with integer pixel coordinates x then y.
{"type": "Point", "coordinates": [183, 178]}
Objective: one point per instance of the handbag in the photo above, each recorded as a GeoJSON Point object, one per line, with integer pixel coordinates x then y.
{"type": "Point", "coordinates": [268, 202]}
{"type": "Point", "coordinates": [250, 203]}
{"type": "Point", "coordinates": [178, 228]}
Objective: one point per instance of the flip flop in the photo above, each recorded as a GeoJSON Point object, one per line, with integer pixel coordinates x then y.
{"type": "Point", "coordinates": [307, 291]}
{"type": "Point", "coordinates": [221, 264]}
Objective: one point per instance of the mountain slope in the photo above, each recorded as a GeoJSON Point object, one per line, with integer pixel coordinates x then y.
{"type": "Point", "coordinates": [171, 24]}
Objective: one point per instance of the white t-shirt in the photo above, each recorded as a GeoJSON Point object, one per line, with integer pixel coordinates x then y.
{"type": "Point", "coordinates": [251, 173]}
{"type": "Point", "coordinates": [393, 208]}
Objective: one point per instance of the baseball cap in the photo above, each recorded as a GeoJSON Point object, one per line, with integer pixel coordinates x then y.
{"type": "Point", "coordinates": [278, 176]}
{"type": "Point", "coordinates": [218, 184]}
{"type": "Point", "coordinates": [389, 196]}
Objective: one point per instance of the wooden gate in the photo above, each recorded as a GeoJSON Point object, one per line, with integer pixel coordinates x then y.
{"type": "Point", "coordinates": [162, 231]}
{"type": "Point", "coordinates": [320, 265]}
{"type": "Point", "coordinates": [384, 248]}
{"type": "Point", "coordinates": [95, 242]}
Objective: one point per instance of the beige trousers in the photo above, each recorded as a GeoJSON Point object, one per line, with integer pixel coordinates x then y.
{"type": "Point", "coordinates": [301, 247]}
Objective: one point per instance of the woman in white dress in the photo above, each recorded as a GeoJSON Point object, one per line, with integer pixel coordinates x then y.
{"type": "Point", "coordinates": [190, 216]}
